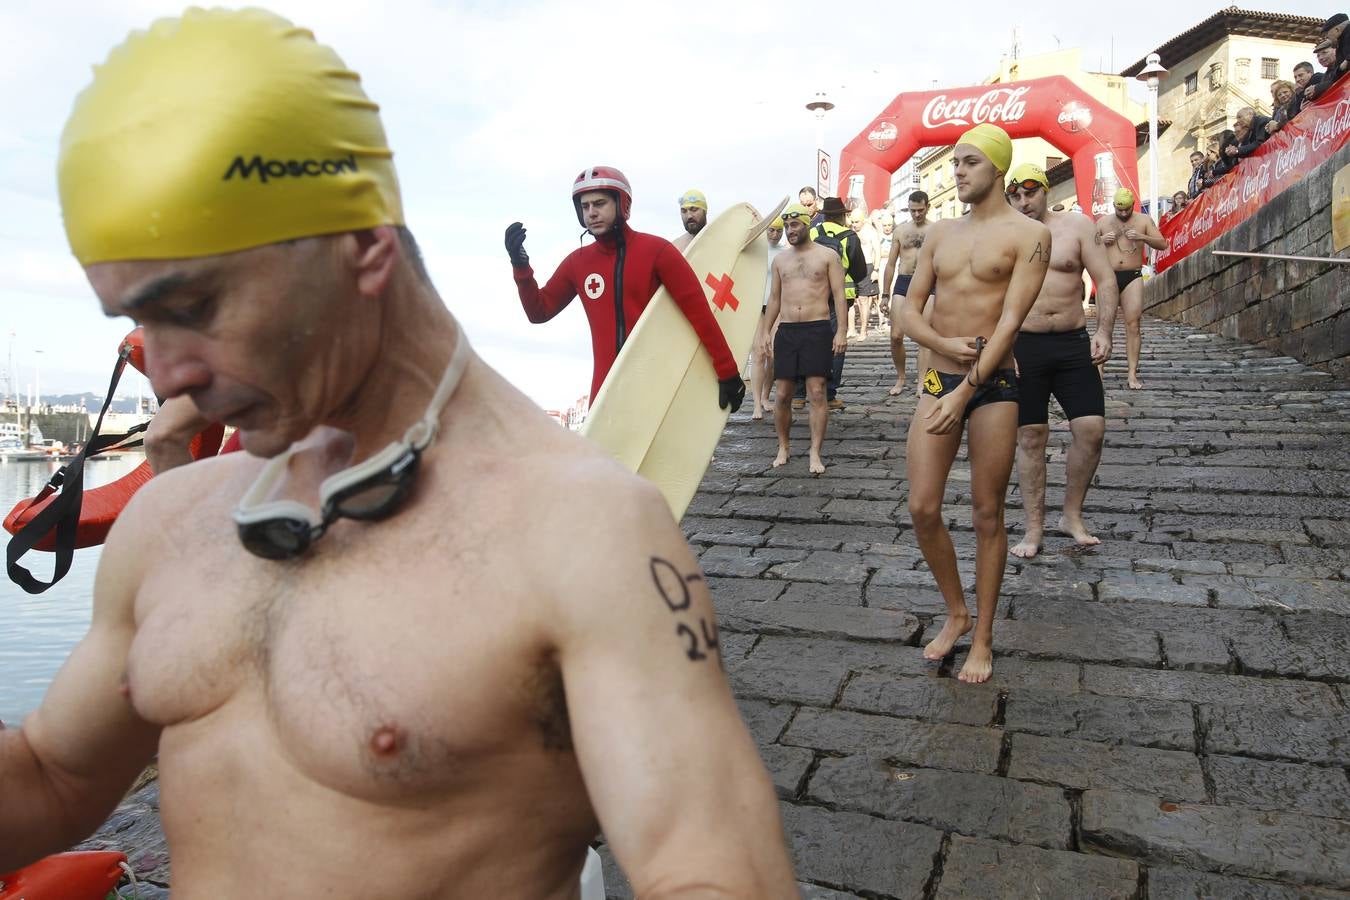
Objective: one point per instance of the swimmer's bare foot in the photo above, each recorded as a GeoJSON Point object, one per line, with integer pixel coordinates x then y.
{"type": "Point", "coordinates": [757, 414]}
{"type": "Point", "coordinates": [979, 663]}
{"type": "Point", "coordinates": [1078, 531]}
{"type": "Point", "coordinates": [1134, 382]}
{"type": "Point", "coordinates": [899, 387]}
{"type": "Point", "coordinates": [941, 646]}
{"type": "Point", "coordinates": [782, 457]}
{"type": "Point", "coordinates": [816, 466]}
{"type": "Point", "coordinates": [1029, 546]}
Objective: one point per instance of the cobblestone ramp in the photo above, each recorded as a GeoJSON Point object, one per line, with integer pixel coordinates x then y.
{"type": "Point", "coordinates": [1168, 716]}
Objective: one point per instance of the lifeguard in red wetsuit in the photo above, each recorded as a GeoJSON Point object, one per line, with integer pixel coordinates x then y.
{"type": "Point", "coordinates": [622, 263]}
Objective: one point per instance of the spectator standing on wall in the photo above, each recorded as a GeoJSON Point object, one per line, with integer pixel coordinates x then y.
{"type": "Point", "coordinates": [1333, 38]}
{"type": "Point", "coordinates": [1251, 131]}
{"type": "Point", "coordinates": [1200, 168]}
{"type": "Point", "coordinates": [1224, 161]}
{"type": "Point", "coordinates": [1303, 77]}
{"type": "Point", "coordinates": [1282, 92]}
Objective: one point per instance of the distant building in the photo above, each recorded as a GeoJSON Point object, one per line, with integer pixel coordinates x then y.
{"type": "Point", "coordinates": [1214, 69]}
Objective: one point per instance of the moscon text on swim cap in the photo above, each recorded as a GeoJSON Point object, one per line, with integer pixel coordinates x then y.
{"type": "Point", "coordinates": [295, 168]}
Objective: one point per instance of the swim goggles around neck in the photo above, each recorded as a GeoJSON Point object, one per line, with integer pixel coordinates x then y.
{"type": "Point", "coordinates": [368, 491]}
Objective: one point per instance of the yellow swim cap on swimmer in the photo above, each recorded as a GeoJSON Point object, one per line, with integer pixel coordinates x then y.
{"type": "Point", "coordinates": [992, 141]}
{"type": "Point", "coordinates": [219, 131]}
{"type": "Point", "coordinates": [777, 223]}
{"type": "Point", "coordinates": [1124, 199]}
{"type": "Point", "coordinates": [1029, 172]}
{"type": "Point", "coordinates": [694, 198]}
{"type": "Point", "coordinates": [797, 211]}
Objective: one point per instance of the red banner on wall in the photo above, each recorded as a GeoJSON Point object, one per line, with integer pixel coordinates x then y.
{"type": "Point", "coordinates": [1303, 144]}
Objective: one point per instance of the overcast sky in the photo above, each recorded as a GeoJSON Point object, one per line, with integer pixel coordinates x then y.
{"type": "Point", "coordinates": [493, 107]}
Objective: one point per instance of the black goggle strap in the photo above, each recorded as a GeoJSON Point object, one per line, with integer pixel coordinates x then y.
{"type": "Point", "coordinates": [63, 514]}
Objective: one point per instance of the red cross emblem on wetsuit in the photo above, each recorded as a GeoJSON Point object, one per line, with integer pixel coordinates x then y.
{"type": "Point", "coordinates": [722, 295]}
{"type": "Point", "coordinates": [593, 285]}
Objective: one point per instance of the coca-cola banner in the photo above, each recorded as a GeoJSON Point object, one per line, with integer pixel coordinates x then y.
{"type": "Point", "coordinates": [1303, 144]}
{"type": "Point", "coordinates": [1100, 141]}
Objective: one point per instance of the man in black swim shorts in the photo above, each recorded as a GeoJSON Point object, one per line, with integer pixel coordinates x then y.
{"type": "Point", "coordinates": [1125, 232]}
{"type": "Point", "coordinates": [1056, 356]}
{"type": "Point", "coordinates": [803, 281]}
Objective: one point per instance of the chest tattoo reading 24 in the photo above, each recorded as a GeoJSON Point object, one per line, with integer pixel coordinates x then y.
{"type": "Point", "coordinates": [673, 586]}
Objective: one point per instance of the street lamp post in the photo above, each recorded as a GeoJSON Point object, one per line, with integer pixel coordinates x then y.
{"type": "Point", "coordinates": [820, 104]}
{"type": "Point", "coordinates": [1152, 71]}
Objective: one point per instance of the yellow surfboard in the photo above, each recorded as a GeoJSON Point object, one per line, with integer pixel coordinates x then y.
{"type": "Point", "coordinates": [657, 411]}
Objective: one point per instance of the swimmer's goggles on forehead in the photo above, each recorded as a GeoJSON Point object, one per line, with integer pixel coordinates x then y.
{"type": "Point", "coordinates": [368, 491]}
{"type": "Point", "coordinates": [1026, 184]}
{"type": "Point", "coordinates": [796, 215]}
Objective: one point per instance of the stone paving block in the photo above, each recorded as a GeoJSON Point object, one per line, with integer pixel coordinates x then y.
{"type": "Point", "coordinates": [723, 562]}
{"type": "Point", "coordinates": [815, 892]}
{"type": "Point", "coordinates": [1329, 532]}
{"type": "Point", "coordinates": [863, 512]}
{"type": "Point", "coordinates": [930, 699]}
{"type": "Point", "coordinates": [823, 536]}
{"type": "Point", "coordinates": [1121, 646]}
{"type": "Point", "coordinates": [861, 852]}
{"type": "Point", "coordinates": [1316, 790]}
{"type": "Point", "coordinates": [976, 869]}
{"type": "Point", "coordinates": [1227, 690]}
{"type": "Point", "coordinates": [787, 766]}
{"type": "Point", "coordinates": [735, 646]}
{"type": "Point", "coordinates": [1012, 674]}
{"type": "Point", "coordinates": [815, 592]}
{"type": "Point", "coordinates": [923, 600]}
{"type": "Point", "coordinates": [799, 509]}
{"type": "Point", "coordinates": [978, 805]}
{"type": "Point", "coordinates": [736, 589]}
{"type": "Point", "coordinates": [857, 656]}
{"type": "Point", "coordinates": [903, 741]}
{"type": "Point", "coordinates": [823, 619]}
{"type": "Point", "coordinates": [1277, 734]}
{"type": "Point", "coordinates": [1198, 651]}
{"type": "Point", "coordinates": [1283, 846]}
{"type": "Point", "coordinates": [826, 567]}
{"type": "Point", "coordinates": [1160, 724]}
{"type": "Point", "coordinates": [1266, 553]}
{"type": "Point", "coordinates": [788, 678]}
{"type": "Point", "coordinates": [1175, 883]}
{"type": "Point", "coordinates": [1085, 765]}
{"type": "Point", "coordinates": [1168, 593]}
{"type": "Point", "coordinates": [765, 720]}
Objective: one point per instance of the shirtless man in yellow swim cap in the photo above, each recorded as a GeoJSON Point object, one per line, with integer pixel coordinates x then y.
{"type": "Point", "coordinates": [1125, 232]}
{"type": "Point", "coordinates": [419, 642]}
{"type": "Point", "coordinates": [987, 267]}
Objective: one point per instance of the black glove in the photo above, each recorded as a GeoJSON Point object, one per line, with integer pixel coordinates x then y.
{"type": "Point", "coordinates": [730, 392]}
{"type": "Point", "coordinates": [515, 245]}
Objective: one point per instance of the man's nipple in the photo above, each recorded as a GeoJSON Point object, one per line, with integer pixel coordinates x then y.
{"type": "Point", "coordinates": [386, 741]}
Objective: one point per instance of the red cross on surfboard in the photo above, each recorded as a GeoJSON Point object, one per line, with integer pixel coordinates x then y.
{"type": "Point", "coordinates": [722, 295]}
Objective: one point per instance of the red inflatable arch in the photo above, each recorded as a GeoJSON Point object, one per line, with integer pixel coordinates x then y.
{"type": "Point", "coordinates": [1053, 108]}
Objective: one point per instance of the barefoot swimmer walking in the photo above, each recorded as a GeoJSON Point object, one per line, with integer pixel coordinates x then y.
{"type": "Point", "coordinates": [987, 267]}
{"type": "Point", "coordinates": [371, 662]}
{"type": "Point", "coordinates": [804, 279]}
{"type": "Point", "coordinates": [1124, 232]}
{"type": "Point", "coordinates": [1056, 356]}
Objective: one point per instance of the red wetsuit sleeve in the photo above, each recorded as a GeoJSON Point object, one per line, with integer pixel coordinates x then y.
{"type": "Point", "coordinates": [542, 304]}
{"type": "Point", "coordinates": [678, 278]}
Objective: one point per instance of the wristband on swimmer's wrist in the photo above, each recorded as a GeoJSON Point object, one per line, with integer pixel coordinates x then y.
{"type": "Point", "coordinates": [974, 367]}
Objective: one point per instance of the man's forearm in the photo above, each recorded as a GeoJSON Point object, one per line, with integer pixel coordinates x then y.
{"type": "Point", "coordinates": [1157, 242]}
{"type": "Point", "coordinates": [33, 823]}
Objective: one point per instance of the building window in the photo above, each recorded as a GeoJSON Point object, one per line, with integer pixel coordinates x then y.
{"type": "Point", "coordinates": [1192, 82]}
{"type": "Point", "coordinates": [1270, 68]}
{"type": "Point", "coordinates": [1244, 66]}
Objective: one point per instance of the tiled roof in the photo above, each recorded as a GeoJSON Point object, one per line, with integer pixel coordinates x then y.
{"type": "Point", "coordinates": [1234, 21]}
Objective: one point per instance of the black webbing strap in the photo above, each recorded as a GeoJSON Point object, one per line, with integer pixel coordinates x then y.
{"type": "Point", "coordinates": [62, 515]}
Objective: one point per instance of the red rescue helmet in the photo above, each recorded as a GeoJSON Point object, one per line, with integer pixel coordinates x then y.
{"type": "Point", "coordinates": [603, 178]}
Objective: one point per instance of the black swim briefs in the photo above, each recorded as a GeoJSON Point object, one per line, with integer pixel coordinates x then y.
{"type": "Point", "coordinates": [1126, 278]}
{"type": "Point", "coordinates": [803, 349]}
{"type": "Point", "coordinates": [1000, 388]}
{"type": "Point", "coordinates": [1059, 363]}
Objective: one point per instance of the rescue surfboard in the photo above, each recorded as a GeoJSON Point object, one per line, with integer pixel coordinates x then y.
{"type": "Point", "coordinates": [657, 411]}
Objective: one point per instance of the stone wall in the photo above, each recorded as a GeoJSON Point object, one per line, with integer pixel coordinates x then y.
{"type": "Point", "coordinates": [1299, 309]}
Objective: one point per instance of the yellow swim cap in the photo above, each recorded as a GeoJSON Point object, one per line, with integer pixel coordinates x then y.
{"type": "Point", "coordinates": [777, 223]}
{"type": "Point", "coordinates": [219, 131]}
{"type": "Point", "coordinates": [797, 211]}
{"type": "Point", "coordinates": [692, 197]}
{"type": "Point", "coordinates": [1124, 199]}
{"type": "Point", "coordinates": [992, 141]}
{"type": "Point", "coordinates": [1028, 172]}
